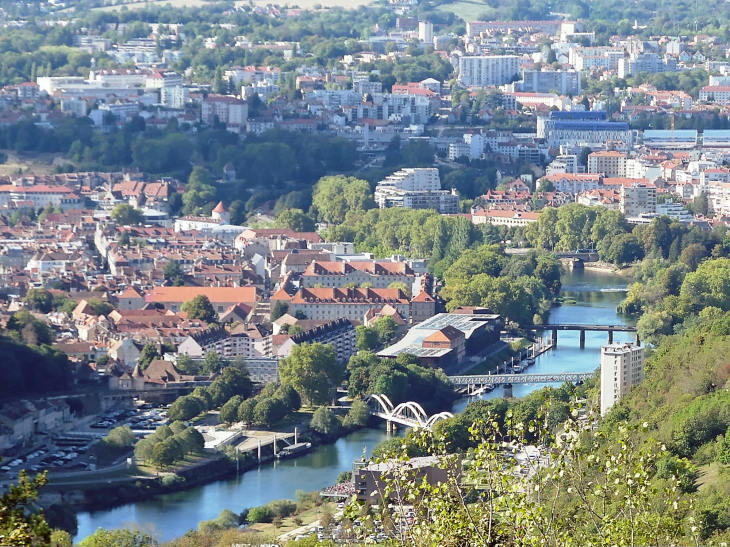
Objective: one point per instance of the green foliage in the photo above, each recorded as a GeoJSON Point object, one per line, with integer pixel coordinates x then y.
{"type": "Point", "coordinates": [39, 300]}
{"type": "Point", "coordinates": [119, 538]}
{"type": "Point", "coordinates": [148, 354]}
{"type": "Point", "coordinates": [367, 338]}
{"type": "Point", "coordinates": [313, 370]}
{"type": "Point", "coordinates": [325, 422]}
{"type": "Point", "coordinates": [401, 379]}
{"type": "Point", "coordinates": [336, 196]}
{"type": "Point", "coordinates": [200, 308]}
{"type": "Point", "coordinates": [229, 411]}
{"type": "Point", "coordinates": [295, 219]}
{"type": "Point", "coordinates": [20, 524]}
{"type": "Point", "coordinates": [259, 514]}
{"type": "Point", "coordinates": [117, 442]}
{"type": "Point", "coordinates": [124, 214]}
{"type": "Point", "coordinates": [358, 415]}
{"type": "Point", "coordinates": [278, 309]}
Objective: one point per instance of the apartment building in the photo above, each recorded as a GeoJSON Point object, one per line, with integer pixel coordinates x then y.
{"type": "Point", "coordinates": [483, 70]}
{"type": "Point", "coordinates": [335, 303]}
{"type": "Point", "coordinates": [217, 339]}
{"type": "Point", "coordinates": [607, 162]}
{"type": "Point", "coordinates": [228, 109]}
{"type": "Point", "coordinates": [379, 274]}
{"type": "Point", "coordinates": [416, 188]}
{"type": "Point", "coordinates": [163, 78]}
{"type": "Point", "coordinates": [339, 333]}
{"type": "Point", "coordinates": [222, 298]}
{"type": "Point", "coordinates": [637, 198]}
{"type": "Point", "coordinates": [622, 367]}
{"type": "Point", "coordinates": [563, 82]}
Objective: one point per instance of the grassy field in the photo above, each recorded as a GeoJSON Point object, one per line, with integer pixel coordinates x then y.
{"type": "Point", "coordinates": [303, 4]}
{"type": "Point", "coordinates": [467, 10]}
{"type": "Point", "coordinates": [288, 524]}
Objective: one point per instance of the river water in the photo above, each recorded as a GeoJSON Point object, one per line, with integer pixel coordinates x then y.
{"type": "Point", "coordinates": [596, 294]}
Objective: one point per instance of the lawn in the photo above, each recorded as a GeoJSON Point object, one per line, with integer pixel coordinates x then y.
{"type": "Point", "coordinates": [468, 11]}
{"type": "Point", "coordinates": [308, 517]}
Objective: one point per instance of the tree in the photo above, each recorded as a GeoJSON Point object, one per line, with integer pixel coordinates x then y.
{"type": "Point", "coordinates": [19, 523]}
{"type": "Point", "coordinates": [148, 354]}
{"type": "Point", "coordinates": [120, 437]}
{"type": "Point", "coordinates": [312, 370]}
{"type": "Point", "coordinates": [278, 309]}
{"type": "Point", "coordinates": [165, 453]}
{"type": "Point", "coordinates": [119, 538]}
{"type": "Point", "coordinates": [548, 271]}
{"type": "Point", "coordinates": [386, 328]}
{"type": "Point", "coordinates": [367, 338]}
{"type": "Point", "coordinates": [123, 240]}
{"type": "Point", "coordinates": [124, 214]}
{"type": "Point", "coordinates": [186, 408]}
{"type": "Point", "coordinates": [295, 219]}
{"type": "Point", "coordinates": [229, 411]}
{"type": "Point", "coordinates": [212, 362]}
{"type": "Point", "coordinates": [143, 450]}
{"type": "Point", "coordinates": [324, 421]}
{"type": "Point", "coordinates": [246, 411]}
{"type": "Point", "coordinates": [173, 272]}
{"type": "Point", "coordinates": [200, 308]}
{"type": "Point", "coordinates": [693, 254]}
{"type": "Point", "coordinates": [192, 441]}
{"type": "Point", "coordinates": [335, 196]}
{"type": "Point", "coordinates": [259, 514]}
{"type": "Point", "coordinates": [269, 411]}
{"type": "Point", "coordinates": [358, 415]}
{"type": "Point", "coordinates": [39, 300]}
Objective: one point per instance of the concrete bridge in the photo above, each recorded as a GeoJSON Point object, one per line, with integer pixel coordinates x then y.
{"type": "Point", "coordinates": [409, 414]}
{"type": "Point", "coordinates": [493, 379]}
{"type": "Point", "coordinates": [582, 330]}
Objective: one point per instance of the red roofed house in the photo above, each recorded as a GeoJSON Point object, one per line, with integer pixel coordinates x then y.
{"type": "Point", "coordinates": [222, 298]}
{"type": "Point", "coordinates": [335, 303]}
{"type": "Point", "coordinates": [337, 274]}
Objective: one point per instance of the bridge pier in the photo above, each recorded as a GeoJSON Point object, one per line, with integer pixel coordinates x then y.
{"type": "Point", "coordinates": [389, 427]}
{"type": "Point", "coordinates": [610, 337]}
{"type": "Point", "coordinates": [555, 338]}
{"type": "Point", "coordinates": [507, 391]}
{"type": "Point", "coordinates": [582, 339]}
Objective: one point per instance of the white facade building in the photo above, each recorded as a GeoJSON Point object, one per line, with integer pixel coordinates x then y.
{"type": "Point", "coordinates": [622, 367]}
{"type": "Point", "coordinates": [425, 32]}
{"type": "Point", "coordinates": [416, 188]}
{"type": "Point", "coordinates": [174, 97]}
{"type": "Point", "coordinates": [485, 70]}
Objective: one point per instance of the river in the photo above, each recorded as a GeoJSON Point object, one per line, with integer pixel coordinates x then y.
{"type": "Point", "coordinates": [596, 294]}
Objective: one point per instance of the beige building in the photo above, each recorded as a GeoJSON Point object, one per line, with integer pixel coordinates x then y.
{"type": "Point", "coordinates": [637, 199]}
{"type": "Point", "coordinates": [622, 367]}
{"type": "Point", "coordinates": [608, 162]}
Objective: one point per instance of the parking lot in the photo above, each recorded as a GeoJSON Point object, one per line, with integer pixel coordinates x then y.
{"type": "Point", "coordinates": [72, 451]}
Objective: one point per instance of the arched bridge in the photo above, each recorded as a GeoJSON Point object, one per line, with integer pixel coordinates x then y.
{"type": "Point", "coordinates": [491, 379]}
{"type": "Point", "coordinates": [409, 414]}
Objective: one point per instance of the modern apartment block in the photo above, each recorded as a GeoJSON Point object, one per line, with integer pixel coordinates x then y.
{"type": "Point", "coordinates": [608, 162]}
{"type": "Point", "coordinates": [546, 81]}
{"type": "Point", "coordinates": [416, 188]}
{"type": "Point", "coordinates": [481, 70]}
{"type": "Point", "coordinates": [637, 199]}
{"type": "Point", "coordinates": [622, 367]}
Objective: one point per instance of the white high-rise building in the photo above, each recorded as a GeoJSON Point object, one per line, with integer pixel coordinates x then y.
{"type": "Point", "coordinates": [416, 188]}
{"type": "Point", "coordinates": [425, 32]}
{"type": "Point", "coordinates": [622, 367]}
{"type": "Point", "coordinates": [481, 70]}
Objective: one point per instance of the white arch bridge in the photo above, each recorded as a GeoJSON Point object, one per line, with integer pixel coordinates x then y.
{"type": "Point", "coordinates": [409, 414]}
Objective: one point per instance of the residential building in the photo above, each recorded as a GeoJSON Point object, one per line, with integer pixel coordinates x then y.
{"type": "Point", "coordinates": [622, 367]}
{"type": "Point", "coordinates": [499, 217]}
{"type": "Point", "coordinates": [563, 82]}
{"type": "Point", "coordinates": [379, 273]}
{"type": "Point", "coordinates": [228, 109]}
{"type": "Point", "coordinates": [222, 298]}
{"type": "Point", "coordinates": [416, 188]}
{"type": "Point", "coordinates": [163, 78]}
{"type": "Point", "coordinates": [425, 32]}
{"type": "Point", "coordinates": [339, 333]}
{"type": "Point", "coordinates": [335, 303]}
{"type": "Point", "coordinates": [607, 162]}
{"type": "Point", "coordinates": [118, 77]}
{"type": "Point", "coordinates": [715, 94]}
{"type": "Point", "coordinates": [637, 199]}
{"type": "Point", "coordinates": [174, 97]}
{"type": "Point", "coordinates": [483, 70]}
